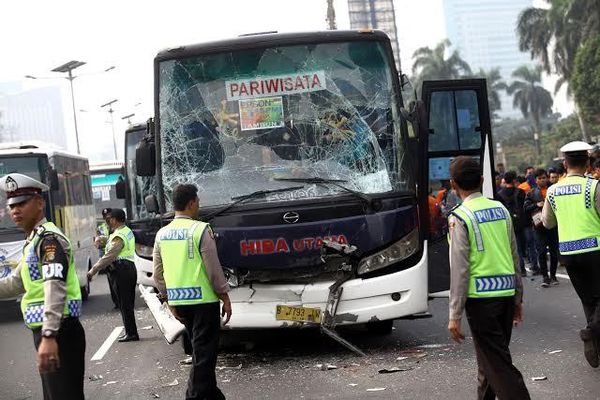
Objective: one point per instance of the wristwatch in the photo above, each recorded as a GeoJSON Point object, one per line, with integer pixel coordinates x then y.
{"type": "Point", "coordinates": [48, 333]}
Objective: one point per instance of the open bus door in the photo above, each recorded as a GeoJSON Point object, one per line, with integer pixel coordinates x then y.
{"type": "Point", "coordinates": [454, 121]}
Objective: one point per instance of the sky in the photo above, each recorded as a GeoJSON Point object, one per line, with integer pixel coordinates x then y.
{"type": "Point", "coordinates": [41, 35]}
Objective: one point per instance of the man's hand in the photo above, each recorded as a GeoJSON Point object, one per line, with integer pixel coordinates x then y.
{"type": "Point", "coordinates": [518, 316]}
{"type": "Point", "coordinates": [540, 204]}
{"type": "Point", "coordinates": [226, 308]}
{"type": "Point", "coordinates": [89, 276]}
{"type": "Point", "coordinates": [177, 317]}
{"type": "Point", "coordinates": [454, 329]}
{"type": "Point", "coordinates": [47, 355]}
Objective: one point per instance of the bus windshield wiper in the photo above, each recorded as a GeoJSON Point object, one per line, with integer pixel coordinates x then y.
{"type": "Point", "coordinates": [333, 182]}
{"type": "Point", "coordinates": [241, 199]}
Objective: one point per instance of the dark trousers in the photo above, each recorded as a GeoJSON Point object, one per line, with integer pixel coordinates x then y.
{"type": "Point", "coordinates": [67, 381]}
{"type": "Point", "coordinates": [124, 275]}
{"type": "Point", "coordinates": [203, 323]}
{"type": "Point", "coordinates": [113, 289]}
{"type": "Point", "coordinates": [547, 239]}
{"type": "Point", "coordinates": [526, 248]}
{"type": "Point", "coordinates": [491, 322]}
{"type": "Point", "coordinates": [584, 272]}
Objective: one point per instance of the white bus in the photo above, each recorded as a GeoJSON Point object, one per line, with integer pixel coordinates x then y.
{"type": "Point", "coordinates": [104, 179]}
{"type": "Point", "coordinates": [68, 203]}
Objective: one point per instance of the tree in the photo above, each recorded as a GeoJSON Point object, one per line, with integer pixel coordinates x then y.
{"type": "Point", "coordinates": [532, 99]}
{"type": "Point", "coordinates": [494, 84]}
{"type": "Point", "coordinates": [586, 79]}
{"type": "Point", "coordinates": [432, 63]}
{"type": "Point", "coordinates": [554, 35]}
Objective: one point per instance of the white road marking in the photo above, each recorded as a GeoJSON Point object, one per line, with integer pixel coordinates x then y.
{"type": "Point", "coordinates": [107, 343]}
{"type": "Point", "coordinates": [563, 276]}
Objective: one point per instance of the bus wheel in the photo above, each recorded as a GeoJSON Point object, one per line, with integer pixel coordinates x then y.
{"type": "Point", "coordinates": [85, 290]}
{"type": "Point", "coordinates": [380, 327]}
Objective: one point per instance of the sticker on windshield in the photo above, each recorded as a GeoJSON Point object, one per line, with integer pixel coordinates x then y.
{"type": "Point", "coordinates": [301, 82]}
{"type": "Point", "coordinates": [261, 113]}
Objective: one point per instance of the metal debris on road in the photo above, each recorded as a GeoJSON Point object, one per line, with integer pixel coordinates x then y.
{"type": "Point", "coordinates": [147, 328]}
{"type": "Point", "coordinates": [539, 378]}
{"type": "Point", "coordinates": [95, 378]}
{"type": "Point", "coordinates": [226, 367]}
{"type": "Point", "coordinates": [555, 352]}
{"type": "Point", "coordinates": [326, 367]}
{"type": "Point", "coordinates": [353, 384]}
{"type": "Point", "coordinates": [186, 361]}
{"type": "Point", "coordinates": [432, 346]}
{"type": "Point", "coordinates": [109, 383]}
{"type": "Point", "coordinates": [155, 395]}
{"type": "Point", "coordinates": [379, 389]}
{"type": "Point", "coordinates": [226, 380]}
{"type": "Point", "coordinates": [174, 383]}
{"type": "Point", "coordinates": [394, 369]}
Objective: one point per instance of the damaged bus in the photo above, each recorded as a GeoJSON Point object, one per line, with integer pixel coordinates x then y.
{"type": "Point", "coordinates": [314, 177]}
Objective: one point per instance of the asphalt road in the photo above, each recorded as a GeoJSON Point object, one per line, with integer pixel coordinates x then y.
{"type": "Point", "coordinates": [282, 364]}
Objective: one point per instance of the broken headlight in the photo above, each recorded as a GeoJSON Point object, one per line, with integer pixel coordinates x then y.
{"type": "Point", "coordinates": [398, 251]}
{"type": "Point", "coordinates": [143, 251]}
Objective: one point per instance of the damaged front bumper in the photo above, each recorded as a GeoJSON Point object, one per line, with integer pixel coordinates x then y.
{"type": "Point", "coordinates": [390, 296]}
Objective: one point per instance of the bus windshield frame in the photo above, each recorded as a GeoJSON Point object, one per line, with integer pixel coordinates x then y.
{"type": "Point", "coordinates": [234, 121]}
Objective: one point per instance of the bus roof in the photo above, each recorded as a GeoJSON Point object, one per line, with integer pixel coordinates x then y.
{"type": "Point", "coordinates": [35, 148]}
{"type": "Point", "coordinates": [106, 166]}
{"type": "Point", "coordinates": [270, 40]}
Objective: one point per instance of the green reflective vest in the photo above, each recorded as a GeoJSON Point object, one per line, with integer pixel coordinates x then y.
{"type": "Point", "coordinates": [32, 303]}
{"type": "Point", "coordinates": [103, 229]}
{"type": "Point", "coordinates": [573, 202]}
{"type": "Point", "coordinates": [491, 267]}
{"type": "Point", "coordinates": [184, 271]}
{"type": "Point", "coordinates": [128, 251]}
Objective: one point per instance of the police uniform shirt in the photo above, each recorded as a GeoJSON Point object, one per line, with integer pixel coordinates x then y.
{"type": "Point", "coordinates": [109, 257]}
{"type": "Point", "coordinates": [548, 216]}
{"type": "Point", "coordinates": [459, 264]}
{"type": "Point", "coordinates": [210, 258]}
{"type": "Point", "coordinates": [53, 251]}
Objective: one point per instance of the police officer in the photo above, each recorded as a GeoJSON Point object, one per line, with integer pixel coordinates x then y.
{"type": "Point", "coordinates": [188, 273]}
{"type": "Point", "coordinates": [573, 204]}
{"type": "Point", "coordinates": [484, 282]}
{"type": "Point", "coordinates": [120, 251]}
{"type": "Point", "coordinates": [51, 302]}
{"type": "Point", "coordinates": [102, 234]}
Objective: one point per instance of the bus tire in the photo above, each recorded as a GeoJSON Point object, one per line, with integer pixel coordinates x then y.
{"type": "Point", "coordinates": [380, 327]}
{"type": "Point", "coordinates": [85, 289]}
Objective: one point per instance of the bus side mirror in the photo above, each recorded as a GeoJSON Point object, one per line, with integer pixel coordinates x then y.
{"type": "Point", "coordinates": [52, 178]}
{"type": "Point", "coordinates": [145, 153]}
{"type": "Point", "coordinates": [120, 188]}
{"type": "Point", "coordinates": [151, 204]}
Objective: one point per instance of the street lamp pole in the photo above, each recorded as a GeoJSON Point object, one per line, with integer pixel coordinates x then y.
{"type": "Point", "coordinates": [68, 68]}
{"type": "Point", "coordinates": [112, 122]}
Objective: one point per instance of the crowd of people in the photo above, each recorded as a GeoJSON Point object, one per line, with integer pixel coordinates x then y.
{"type": "Point", "coordinates": [524, 196]}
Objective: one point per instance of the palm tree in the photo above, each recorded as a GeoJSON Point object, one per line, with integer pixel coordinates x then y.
{"type": "Point", "coordinates": [432, 63]}
{"type": "Point", "coordinates": [494, 84]}
{"type": "Point", "coordinates": [554, 35]}
{"type": "Point", "coordinates": [529, 96]}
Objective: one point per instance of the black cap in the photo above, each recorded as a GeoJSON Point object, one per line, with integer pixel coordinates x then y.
{"type": "Point", "coordinates": [118, 214]}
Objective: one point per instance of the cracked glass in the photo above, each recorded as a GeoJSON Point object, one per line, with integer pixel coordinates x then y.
{"type": "Point", "coordinates": [234, 122]}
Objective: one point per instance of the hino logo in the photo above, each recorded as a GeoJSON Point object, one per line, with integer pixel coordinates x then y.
{"type": "Point", "coordinates": [291, 217]}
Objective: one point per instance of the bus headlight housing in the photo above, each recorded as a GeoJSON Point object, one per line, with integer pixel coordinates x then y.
{"type": "Point", "coordinates": [398, 251]}
{"type": "Point", "coordinates": [144, 251]}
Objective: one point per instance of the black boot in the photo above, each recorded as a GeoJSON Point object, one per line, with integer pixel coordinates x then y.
{"type": "Point", "coordinates": [590, 351]}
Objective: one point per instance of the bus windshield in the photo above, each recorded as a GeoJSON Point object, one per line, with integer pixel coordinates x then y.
{"type": "Point", "coordinates": [236, 122]}
{"type": "Point", "coordinates": [26, 165]}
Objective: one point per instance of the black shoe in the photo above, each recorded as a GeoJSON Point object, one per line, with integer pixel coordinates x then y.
{"type": "Point", "coordinates": [535, 272]}
{"type": "Point", "coordinates": [554, 281]}
{"type": "Point", "coordinates": [128, 338]}
{"type": "Point", "coordinates": [590, 351]}
{"type": "Point", "coordinates": [523, 272]}
{"type": "Point", "coordinates": [121, 336]}
{"type": "Point", "coordinates": [546, 282]}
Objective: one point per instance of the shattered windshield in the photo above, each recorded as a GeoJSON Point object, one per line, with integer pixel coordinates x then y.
{"type": "Point", "coordinates": [234, 122]}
